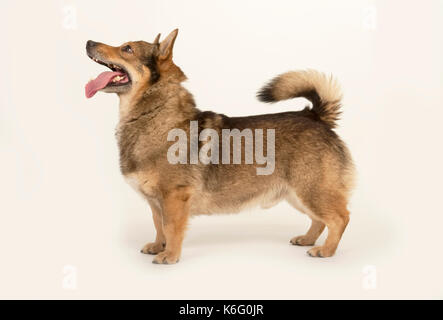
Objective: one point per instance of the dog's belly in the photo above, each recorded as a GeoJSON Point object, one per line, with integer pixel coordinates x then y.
{"type": "Point", "coordinates": [208, 203]}
{"type": "Point", "coordinates": [204, 202]}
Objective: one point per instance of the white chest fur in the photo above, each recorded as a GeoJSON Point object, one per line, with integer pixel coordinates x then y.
{"type": "Point", "coordinates": [145, 183]}
{"type": "Point", "coordinates": [134, 183]}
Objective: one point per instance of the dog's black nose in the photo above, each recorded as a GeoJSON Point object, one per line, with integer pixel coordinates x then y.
{"type": "Point", "coordinates": [90, 44]}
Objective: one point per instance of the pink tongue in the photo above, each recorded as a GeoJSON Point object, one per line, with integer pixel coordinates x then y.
{"type": "Point", "coordinates": [100, 82]}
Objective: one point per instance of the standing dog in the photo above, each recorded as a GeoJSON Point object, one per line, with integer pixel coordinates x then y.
{"type": "Point", "coordinates": [313, 168]}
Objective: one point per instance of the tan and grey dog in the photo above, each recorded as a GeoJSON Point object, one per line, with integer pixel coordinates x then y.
{"type": "Point", "coordinates": [313, 168]}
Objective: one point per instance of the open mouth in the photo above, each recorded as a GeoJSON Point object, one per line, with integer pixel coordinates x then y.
{"type": "Point", "coordinates": [115, 78]}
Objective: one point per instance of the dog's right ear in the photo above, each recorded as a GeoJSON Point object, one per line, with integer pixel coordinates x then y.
{"type": "Point", "coordinates": [157, 39]}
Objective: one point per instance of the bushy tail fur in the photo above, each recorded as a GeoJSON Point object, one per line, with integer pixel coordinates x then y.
{"type": "Point", "coordinates": [322, 90]}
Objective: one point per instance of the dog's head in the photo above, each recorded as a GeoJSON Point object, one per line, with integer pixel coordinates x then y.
{"type": "Point", "coordinates": [133, 65]}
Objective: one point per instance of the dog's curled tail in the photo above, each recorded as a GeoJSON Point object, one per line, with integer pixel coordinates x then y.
{"type": "Point", "coordinates": [322, 90]}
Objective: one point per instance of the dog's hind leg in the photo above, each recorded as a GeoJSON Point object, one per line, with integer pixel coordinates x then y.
{"type": "Point", "coordinates": [317, 226]}
{"type": "Point", "coordinates": [336, 218]}
{"type": "Point", "coordinates": [329, 210]}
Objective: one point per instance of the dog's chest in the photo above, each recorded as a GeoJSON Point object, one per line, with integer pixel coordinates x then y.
{"type": "Point", "coordinates": [133, 182]}
{"type": "Point", "coordinates": [144, 183]}
{"type": "Point", "coordinates": [127, 139]}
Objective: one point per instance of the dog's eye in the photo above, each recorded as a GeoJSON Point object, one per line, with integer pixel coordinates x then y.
{"type": "Point", "coordinates": [127, 49]}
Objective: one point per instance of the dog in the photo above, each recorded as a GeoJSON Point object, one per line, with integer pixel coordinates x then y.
{"type": "Point", "coordinates": [313, 169]}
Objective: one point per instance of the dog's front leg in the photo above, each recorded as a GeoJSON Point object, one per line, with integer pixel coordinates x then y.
{"type": "Point", "coordinates": [160, 241]}
{"type": "Point", "coordinates": [175, 216]}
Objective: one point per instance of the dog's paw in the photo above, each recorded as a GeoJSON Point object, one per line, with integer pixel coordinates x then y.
{"type": "Point", "coordinates": [166, 257]}
{"type": "Point", "coordinates": [302, 241]}
{"type": "Point", "coordinates": [321, 252]}
{"type": "Point", "coordinates": [153, 248]}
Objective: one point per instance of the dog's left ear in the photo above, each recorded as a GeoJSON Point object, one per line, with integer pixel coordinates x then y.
{"type": "Point", "coordinates": [165, 47]}
{"type": "Point", "coordinates": [157, 39]}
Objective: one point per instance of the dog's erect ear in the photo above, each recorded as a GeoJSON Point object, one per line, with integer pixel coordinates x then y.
{"type": "Point", "coordinates": [157, 39]}
{"type": "Point", "coordinates": [165, 48]}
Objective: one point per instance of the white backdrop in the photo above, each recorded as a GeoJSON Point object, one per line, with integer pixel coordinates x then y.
{"type": "Point", "coordinates": [70, 226]}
